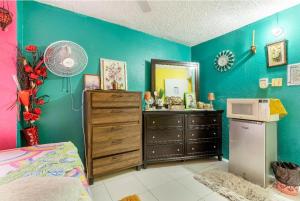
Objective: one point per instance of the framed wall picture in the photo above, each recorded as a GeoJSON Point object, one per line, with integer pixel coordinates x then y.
{"type": "Point", "coordinates": [293, 74]}
{"type": "Point", "coordinates": [277, 53]}
{"type": "Point", "coordinates": [176, 87]}
{"type": "Point", "coordinates": [190, 100]}
{"type": "Point", "coordinates": [91, 82]}
{"type": "Point", "coordinates": [113, 74]}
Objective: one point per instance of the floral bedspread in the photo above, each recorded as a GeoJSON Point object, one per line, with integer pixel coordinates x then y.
{"type": "Point", "coordinates": [60, 159]}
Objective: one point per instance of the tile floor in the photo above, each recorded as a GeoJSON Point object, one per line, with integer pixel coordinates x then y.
{"type": "Point", "coordinates": [165, 182]}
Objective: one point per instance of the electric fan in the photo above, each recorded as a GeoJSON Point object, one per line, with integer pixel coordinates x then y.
{"type": "Point", "coordinates": [65, 58]}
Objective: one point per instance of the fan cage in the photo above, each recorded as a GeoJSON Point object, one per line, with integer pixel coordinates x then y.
{"type": "Point", "coordinates": [63, 72]}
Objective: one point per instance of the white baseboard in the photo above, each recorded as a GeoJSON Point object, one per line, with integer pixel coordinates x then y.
{"type": "Point", "coordinates": [225, 160]}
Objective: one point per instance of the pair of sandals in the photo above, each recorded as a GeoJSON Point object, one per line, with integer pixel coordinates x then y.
{"type": "Point", "coordinates": [289, 190]}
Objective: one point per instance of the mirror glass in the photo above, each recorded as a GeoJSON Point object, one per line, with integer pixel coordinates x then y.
{"type": "Point", "coordinates": [175, 79]}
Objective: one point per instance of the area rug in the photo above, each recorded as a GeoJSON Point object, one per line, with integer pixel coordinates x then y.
{"type": "Point", "coordinates": [131, 198]}
{"type": "Point", "coordinates": [232, 187]}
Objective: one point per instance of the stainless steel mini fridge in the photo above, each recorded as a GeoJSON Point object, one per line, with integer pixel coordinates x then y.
{"type": "Point", "coordinates": [253, 146]}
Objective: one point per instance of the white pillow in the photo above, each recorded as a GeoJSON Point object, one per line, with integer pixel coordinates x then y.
{"type": "Point", "coordinates": [42, 189]}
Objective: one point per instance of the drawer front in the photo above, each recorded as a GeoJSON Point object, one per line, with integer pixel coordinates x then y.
{"type": "Point", "coordinates": [164, 136]}
{"type": "Point", "coordinates": [108, 140]}
{"type": "Point", "coordinates": [204, 147]}
{"type": "Point", "coordinates": [198, 120]}
{"type": "Point", "coordinates": [202, 132]}
{"type": "Point", "coordinates": [116, 162]}
{"type": "Point", "coordinates": [104, 100]}
{"type": "Point", "coordinates": [165, 151]}
{"type": "Point", "coordinates": [165, 121]}
{"type": "Point", "coordinates": [120, 115]}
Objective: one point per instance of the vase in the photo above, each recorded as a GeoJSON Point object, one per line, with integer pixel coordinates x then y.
{"type": "Point", "coordinates": [31, 135]}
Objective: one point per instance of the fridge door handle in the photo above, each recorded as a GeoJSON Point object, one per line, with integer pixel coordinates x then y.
{"type": "Point", "coordinates": [245, 127]}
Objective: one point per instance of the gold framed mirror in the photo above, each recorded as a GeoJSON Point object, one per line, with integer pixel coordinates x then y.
{"type": "Point", "coordinates": [175, 79]}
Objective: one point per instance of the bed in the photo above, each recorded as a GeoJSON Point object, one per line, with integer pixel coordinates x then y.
{"type": "Point", "coordinates": [59, 160]}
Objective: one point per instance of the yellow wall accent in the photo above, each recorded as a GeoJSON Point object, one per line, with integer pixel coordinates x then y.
{"type": "Point", "coordinates": [166, 73]}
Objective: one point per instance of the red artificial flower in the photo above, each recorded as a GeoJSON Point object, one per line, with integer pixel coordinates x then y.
{"type": "Point", "coordinates": [37, 71]}
{"type": "Point", "coordinates": [43, 72]}
{"type": "Point", "coordinates": [39, 82]}
{"type": "Point", "coordinates": [24, 97]}
{"type": "Point", "coordinates": [31, 48]}
{"type": "Point", "coordinates": [28, 116]}
{"type": "Point", "coordinates": [35, 117]}
{"type": "Point", "coordinates": [40, 102]}
{"type": "Point", "coordinates": [33, 76]}
{"type": "Point", "coordinates": [33, 92]}
{"type": "Point", "coordinates": [37, 111]}
{"type": "Point", "coordinates": [28, 69]}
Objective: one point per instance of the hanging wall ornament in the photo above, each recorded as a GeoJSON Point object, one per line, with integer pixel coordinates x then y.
{"type": "Point", "coordinates": [224, 60]}
{"type": "Point", "coordinates": [5, 16]}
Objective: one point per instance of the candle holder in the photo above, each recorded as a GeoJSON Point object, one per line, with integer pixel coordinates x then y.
{"type": "Point", "coordinates": [211, 97]}
{"type": "Point", "coordinates": [253, 49]}
{"type": "Point", "coordinates": [253, 46]}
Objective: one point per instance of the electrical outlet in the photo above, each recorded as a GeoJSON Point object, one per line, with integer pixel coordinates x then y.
{"type": "Point", "coordinates": [263, 83]}
{"type": "Point", "coordinates": [277, 82]}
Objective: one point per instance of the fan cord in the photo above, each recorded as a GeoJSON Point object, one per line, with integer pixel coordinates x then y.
{"type": "Point", "coordinates": [72, 98]}
{"type": "Point", "coordinates": [69, 84]}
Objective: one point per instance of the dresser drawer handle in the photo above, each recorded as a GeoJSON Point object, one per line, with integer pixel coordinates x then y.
{"type": "Point", "coordinates": [214, 120]}
{"type": "Point", "coordinates": [193, 148]}
{"type": "Point", "coordinates": [153, 122]}
{"type": "Point", "coordinates": [153, 152]}
{"type": "Point", "coordinates": [178, 121]}
{"type": "Point", "coordinates": [215, 146]}
{"type": "Point", "coordinates": [115, 111]}
{"type": "Point", "coordinates": [178, 136]}
{"type": "Point", "coordinates": [115, 157]}
{"type": "Point", "coordinates": [153, 137]}
{"type": "Point", "coordinates": [193, 134]}
{"type": "Point", "coordinates": [214, 133]}
{"type": "Point", "coordinates": [116, 95]}
{"type": "Point", "coordinates": [115, 128]}
{"type": "Point", "coordinates": [116, 141]}
{"type": "Point", "coordinates": [178, 150]}
{"type": "Point", "coordinates": [193, 121]}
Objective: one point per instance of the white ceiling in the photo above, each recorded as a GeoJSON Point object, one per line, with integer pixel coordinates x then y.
{"type": "Point", "coordinates": [188, 22]}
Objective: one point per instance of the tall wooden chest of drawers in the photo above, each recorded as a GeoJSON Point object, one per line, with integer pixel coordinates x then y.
{"type": "Point", "coordinates": [113, 131]}
{"type": "Point", "coordinates": [181, 135]}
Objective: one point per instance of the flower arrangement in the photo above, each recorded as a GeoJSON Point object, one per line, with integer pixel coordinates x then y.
{"type": "Point", "coordinates": [31, 76]}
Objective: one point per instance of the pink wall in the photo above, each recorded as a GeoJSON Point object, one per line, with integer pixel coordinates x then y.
{"type": "Point", "coordinates": [8, 45]}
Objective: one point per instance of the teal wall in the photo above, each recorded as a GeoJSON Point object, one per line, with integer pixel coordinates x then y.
{"type": "Point", "coordinates": [44, 24]}
{"type": "Point", "coordinates": [41, 25]}
{"type": "Point", "coordinates": [242, 80]}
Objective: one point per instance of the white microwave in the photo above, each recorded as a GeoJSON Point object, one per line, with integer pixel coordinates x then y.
{"type": "Point", "coordinates": [250, 109]}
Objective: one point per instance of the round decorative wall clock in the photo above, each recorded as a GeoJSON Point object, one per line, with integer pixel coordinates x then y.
{"type": "Point", "coordinates": [224, 60]}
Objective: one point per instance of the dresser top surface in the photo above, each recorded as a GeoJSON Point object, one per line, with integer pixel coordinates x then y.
{"type": "Point", "coordinates": [182, 111]}
{"type": "Point", "coordinates": [111, 91]}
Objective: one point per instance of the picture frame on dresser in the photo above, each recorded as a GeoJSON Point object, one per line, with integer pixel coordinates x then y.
{"type": "Point", "coordinates": [113, 74]}
{"type": "Point", "coordinates": [91, 81]}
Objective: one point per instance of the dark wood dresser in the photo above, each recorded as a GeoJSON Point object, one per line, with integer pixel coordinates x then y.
{"type": "Point", "coordinates": [181, 135]}
{"type": "Point", "coordinates": [113, 131]}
